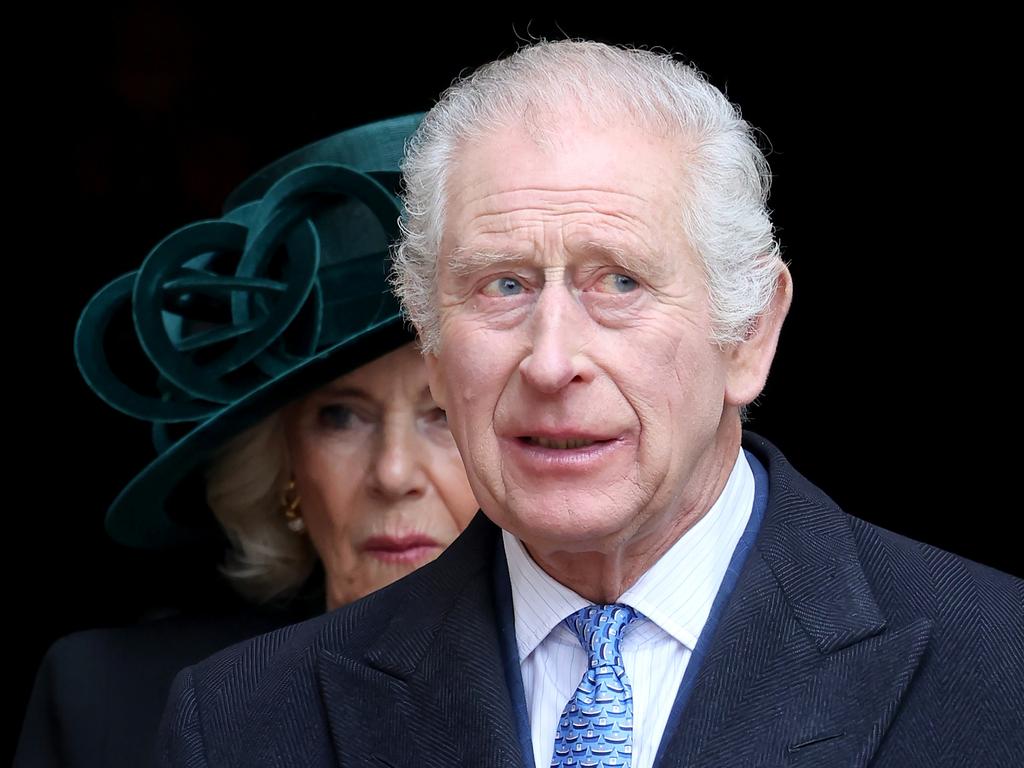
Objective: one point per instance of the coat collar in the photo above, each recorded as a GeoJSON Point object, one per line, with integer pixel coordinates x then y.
{"type": "Point", "coordinates": [803, 667]}
{"type": "Point", "coordinates": [430, 690]}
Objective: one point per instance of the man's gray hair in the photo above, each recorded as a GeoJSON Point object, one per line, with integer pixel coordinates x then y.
{"type": "Point", "coordinates": [725, 217]}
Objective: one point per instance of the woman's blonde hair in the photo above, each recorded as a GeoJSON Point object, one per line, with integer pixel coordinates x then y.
{"type": "Point", "coordinates": [245, 484]}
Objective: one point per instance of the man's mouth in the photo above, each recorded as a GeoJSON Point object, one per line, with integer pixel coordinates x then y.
{"type": "Point", "coordinates": [560, 443]}
{"type": "Point", "coordinates": [564, 454]}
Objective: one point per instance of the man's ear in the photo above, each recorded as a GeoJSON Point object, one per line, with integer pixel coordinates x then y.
{"type": "Point", "coordinates": [750, 359]}
{"type": "Point", "coordinates": [435, 381]}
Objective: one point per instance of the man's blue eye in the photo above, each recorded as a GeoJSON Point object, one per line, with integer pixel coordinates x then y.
{"type": "Point", "coordinates": [616, 283]}
{"type": "Point", "coordinates": [503, 286]}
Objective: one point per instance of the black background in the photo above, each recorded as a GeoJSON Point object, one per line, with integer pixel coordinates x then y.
{"type": "Point", "coordinates": [892, 145]}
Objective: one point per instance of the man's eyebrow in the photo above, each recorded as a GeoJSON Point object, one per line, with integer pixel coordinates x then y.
{"type": "Point", "coordinates": [648, 265]}
{"type": "Point", "coordinates": [467, 261]}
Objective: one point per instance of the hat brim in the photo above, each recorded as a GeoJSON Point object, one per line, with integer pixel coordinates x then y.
{"type": "Point", "coordinates": [143, 516]}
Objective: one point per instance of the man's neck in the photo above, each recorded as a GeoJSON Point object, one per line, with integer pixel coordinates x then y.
{"type": "Point", "coordinates": [604, 574]}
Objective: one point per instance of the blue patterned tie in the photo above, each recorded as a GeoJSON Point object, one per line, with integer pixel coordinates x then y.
{"type": "Point", "coordinates": [596, 726]}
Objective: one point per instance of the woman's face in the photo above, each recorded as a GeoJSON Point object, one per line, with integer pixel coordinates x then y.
{"type": "Point", "coordinates": [382, 487]}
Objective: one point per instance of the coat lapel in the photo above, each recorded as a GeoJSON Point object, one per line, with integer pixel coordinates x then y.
{"type": "Point", "coordinates": [431, 690]}
{"type": "Point", "coordinates": [803, 668]}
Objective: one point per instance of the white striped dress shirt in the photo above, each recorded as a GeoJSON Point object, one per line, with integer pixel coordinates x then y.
{"type": "Point", "coordinates": [675, 595]}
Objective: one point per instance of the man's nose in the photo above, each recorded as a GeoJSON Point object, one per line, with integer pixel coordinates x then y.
{"type": "Point", "coordinates": [558, 331]}
{"type": "Point", "coordinates": [397, 471]}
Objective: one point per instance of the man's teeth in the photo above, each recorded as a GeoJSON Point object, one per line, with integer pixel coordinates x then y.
{"type": "Point", "coordinates": [547, 442]}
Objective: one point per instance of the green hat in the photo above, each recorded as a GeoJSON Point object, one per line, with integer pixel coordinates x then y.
{"type": "Point", "coordinates": [230, 319]}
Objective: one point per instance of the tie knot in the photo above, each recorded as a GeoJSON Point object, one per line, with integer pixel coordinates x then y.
{"type": "Point", "coordinates": [600, 629]}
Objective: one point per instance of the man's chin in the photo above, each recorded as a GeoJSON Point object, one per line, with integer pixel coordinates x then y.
{"type": "Point", "coordinates": [570, 524]}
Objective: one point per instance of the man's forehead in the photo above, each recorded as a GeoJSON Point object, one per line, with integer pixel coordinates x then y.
{"type": "Point", "coordinates": [551, 127]}
{"type": "Point", "coordinates": [567, 151]}
{"type": "Point", "coordinates": [617, 170]}
{"type": "Point", "coordinates": [607, 191]}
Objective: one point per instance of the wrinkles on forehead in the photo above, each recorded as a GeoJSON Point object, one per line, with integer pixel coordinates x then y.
{"type": "Point", "coordinates": [466, 261]}
{"type": "Point", "coordinates": [609, 199]}
{"type": "Point", "coordinates": [610, 229]}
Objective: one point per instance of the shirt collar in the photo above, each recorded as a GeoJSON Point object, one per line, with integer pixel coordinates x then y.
{"type": "Point", "coordinates": [676, 593]}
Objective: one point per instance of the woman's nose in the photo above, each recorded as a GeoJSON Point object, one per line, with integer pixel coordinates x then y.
{"type": "Point", "coordinates": [397, 470]}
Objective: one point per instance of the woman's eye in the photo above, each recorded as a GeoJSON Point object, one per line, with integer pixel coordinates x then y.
{"type": "Point", "coordinates": [336, 416]}
{"type": "Point", "coordinates": [503, 286]}
{"type": "Point", "coordinates": [614, 282]}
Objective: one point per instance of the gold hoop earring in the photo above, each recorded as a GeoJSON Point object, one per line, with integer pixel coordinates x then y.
{"type": "Point", "coordinates": [290, 500]}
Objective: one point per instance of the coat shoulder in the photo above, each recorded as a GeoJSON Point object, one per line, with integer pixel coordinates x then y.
{"type": "Point", "coordinates": [962, 598]}
{"type": "Point", "coordinates": [254, 672]}
{"type": "Point", "coordinates": [968, 690]}
{"type": "Point", "coordinates": [350, 631]}
{"type": "Point", "coordinates": [99, 693]}
{"type": "Point", "coordinates": [908, 578]}
{"type": "Point", "coordinates": [962, 703]}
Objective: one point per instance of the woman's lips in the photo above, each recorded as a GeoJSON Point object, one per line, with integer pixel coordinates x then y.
{"type": "Point", "coordinates": [413, 548]}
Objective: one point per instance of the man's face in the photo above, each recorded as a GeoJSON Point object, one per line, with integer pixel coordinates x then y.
{"type": "Point", "coordinates": [575, 364]}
